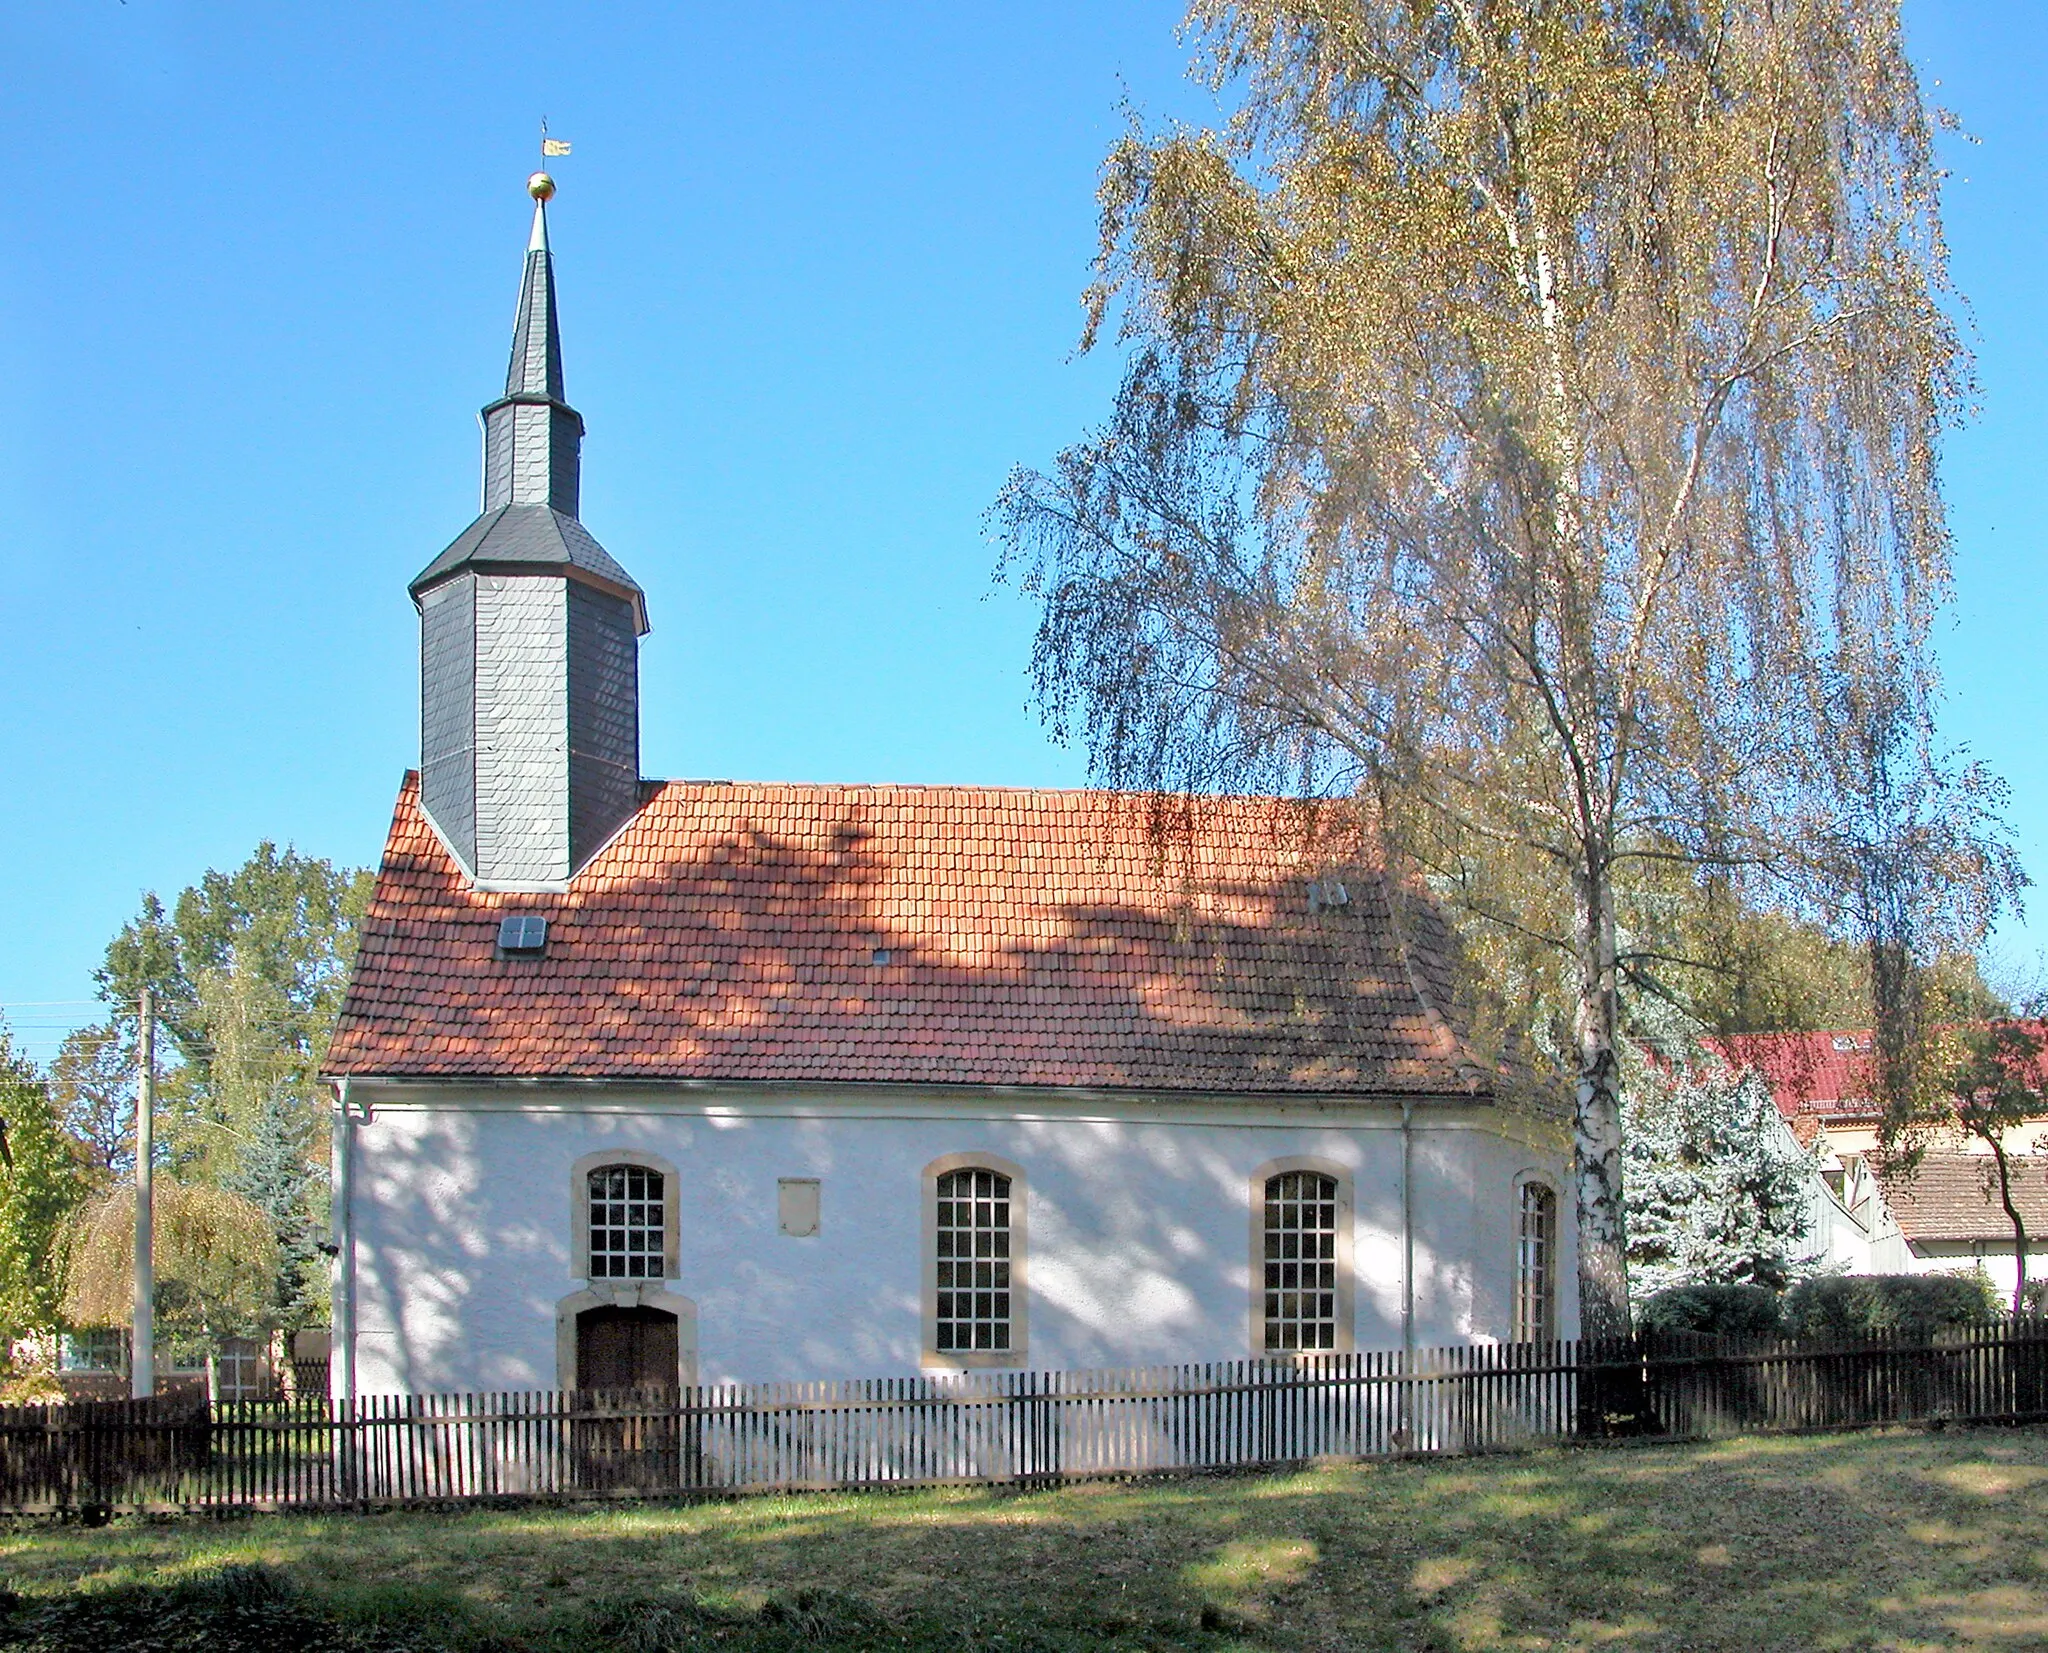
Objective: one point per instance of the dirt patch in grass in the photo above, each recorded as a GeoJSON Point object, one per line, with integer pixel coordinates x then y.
{"type": "Point", "coordinates": [1897, 1541]}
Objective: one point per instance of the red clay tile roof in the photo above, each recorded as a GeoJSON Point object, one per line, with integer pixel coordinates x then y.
{"type": "Point", "coordinates": [1824, 1074]}
{"type": "Point", "coordinates": [1809, 1073]}
{"type": "Point", "coordinates": [1955, 1197]}
{"type": "Point", "coordinates": [941, 935]}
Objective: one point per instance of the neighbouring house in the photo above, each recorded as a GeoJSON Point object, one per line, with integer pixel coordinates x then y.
{"type": "Point", "coordinates": [92, 1364]}
{"type": "Point", "coordinates": [1950, 1216]}
{"type": "Point", "coordinates": [1821, 1083]}
{"type": "Point", "coordinates": [646, 1082]}
{"type": "Point", "coordinates": [1852, 1229]}
{"type": "Point", "coordinates": [1944, 1215]}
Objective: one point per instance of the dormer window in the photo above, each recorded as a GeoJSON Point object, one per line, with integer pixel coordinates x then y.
{"type": "Point", "coordinates": [1327, 895]}
{"type": "Point", "coordinates": [523, 935]}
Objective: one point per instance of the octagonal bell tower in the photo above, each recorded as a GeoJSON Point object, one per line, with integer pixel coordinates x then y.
{"type": "Point", "coordinates": [529, 636]}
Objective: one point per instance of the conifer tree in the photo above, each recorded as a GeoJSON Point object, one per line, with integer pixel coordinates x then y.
{"type": "Point", "coordinates": [1717, 1190]}
{"type": "Point", "coordinates": [272, 1173]}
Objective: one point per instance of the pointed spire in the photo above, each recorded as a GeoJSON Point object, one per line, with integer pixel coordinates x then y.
{"type": "Point", "coordinates": [532, 437]}
{"type": "Point", "coordinates": [529, 636]}
{"type": "Point", "coordinates": [536, 367]}
{"type": "Point", "coordinates": [532, 453]}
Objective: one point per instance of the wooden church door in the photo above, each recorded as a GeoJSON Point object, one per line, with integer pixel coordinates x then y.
{"type": "Point", "coordinates": [624, 1440]}
{"type": "Point", "coordinates": [625, 1349]}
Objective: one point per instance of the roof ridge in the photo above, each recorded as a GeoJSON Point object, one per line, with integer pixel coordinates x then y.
{"type": "Point", "coordinates": [1866, 1031]}
{"type": "Point", "coordinates": [1001, 789]}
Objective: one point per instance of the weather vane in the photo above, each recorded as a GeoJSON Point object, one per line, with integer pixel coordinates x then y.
{"type": "Point", "coordinates": [540, 186]}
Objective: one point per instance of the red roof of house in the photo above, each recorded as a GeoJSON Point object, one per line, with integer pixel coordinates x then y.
{"type": "Point", "coordinates": [1825, 1074]}
{"type": "Point", "coordinates": [1809, 1073]}
{"type": "Point", "coordinates": [1955, 1197]}
{"type": "Point", "coordinates": [940, 935]}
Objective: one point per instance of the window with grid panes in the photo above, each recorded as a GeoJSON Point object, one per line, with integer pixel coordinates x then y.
{"type": "Point", "coordinates": [973, 1262]}
{"type": "Point", "coordinates": [1536, 1266]}
{"type": "Point", "coordinates": [1301, 1261]}
{"type": "Point", "coordinates": [97, 1349]}
{"type": "Point", "coordinates": [625, 1223]}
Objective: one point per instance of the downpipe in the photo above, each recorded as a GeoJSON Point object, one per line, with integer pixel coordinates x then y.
{"type": "Point", "coordinates": [1404, 1434]}
{"type": "Point", "coordinates": [341, 1247]}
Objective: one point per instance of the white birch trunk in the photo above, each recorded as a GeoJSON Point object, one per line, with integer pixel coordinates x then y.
{"type": "Point", "coordinates": [1596, 1134]}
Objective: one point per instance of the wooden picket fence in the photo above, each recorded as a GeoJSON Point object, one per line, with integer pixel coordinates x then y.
{"type": "Point", "coordinates": [994, 1426]}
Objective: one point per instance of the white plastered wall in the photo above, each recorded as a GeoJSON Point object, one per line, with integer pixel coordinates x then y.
{"type": "Point", "coordinates": [1137, 1222]}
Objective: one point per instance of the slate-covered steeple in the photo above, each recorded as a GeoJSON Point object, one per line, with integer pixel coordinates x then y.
{"type": "Point", "coordinates": [533, 439]}
{"type": "Point", "coordinates": [529, 653]}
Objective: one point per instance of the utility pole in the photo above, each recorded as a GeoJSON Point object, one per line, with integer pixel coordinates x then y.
{"type": "Point", "coordinates": [142, 1352]}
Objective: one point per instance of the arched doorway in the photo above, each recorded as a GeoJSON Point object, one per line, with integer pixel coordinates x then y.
{"type": "Point", "coordinates": [626, 1348]}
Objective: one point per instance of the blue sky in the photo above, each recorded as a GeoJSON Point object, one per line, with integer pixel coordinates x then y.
{"type": "Point", "coordinates": [819, 268]}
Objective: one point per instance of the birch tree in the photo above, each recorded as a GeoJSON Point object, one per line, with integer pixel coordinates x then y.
{"type": "Point", "coordinates": [1530, 425]}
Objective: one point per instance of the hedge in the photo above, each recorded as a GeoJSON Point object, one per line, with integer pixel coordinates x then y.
{"type": "Point", "coordinates": [1717, 1311]}
{"type": "Point", "coordinates": [1847, 1307]}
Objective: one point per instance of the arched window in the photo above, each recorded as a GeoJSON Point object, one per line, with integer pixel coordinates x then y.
{"type": "Point", "coordinates": [628, 1223]}
{"type": "Point", "coordinates": [974, 1262]}
{"type": "Point", "coordinates": [1301, 1262]}
{"type": "Point", "coordinates": [1536, 1265]}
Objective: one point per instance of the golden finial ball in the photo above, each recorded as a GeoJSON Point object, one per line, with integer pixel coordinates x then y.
{"type": "Point", "coordinates": [540, 186]}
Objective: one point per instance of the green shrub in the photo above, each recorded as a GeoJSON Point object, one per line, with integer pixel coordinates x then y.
{"type": "Point", "coordinates": [1717, 1311]}
{"type": "Point", "coordinates": [1845, 1308]}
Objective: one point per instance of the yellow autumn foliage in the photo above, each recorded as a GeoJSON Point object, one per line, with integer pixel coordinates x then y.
{"type": "Point", "coordinates": [216, 1261]}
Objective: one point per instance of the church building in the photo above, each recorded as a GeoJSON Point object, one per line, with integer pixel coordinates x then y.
{"type": "Point", "coordinates": [648, 1082]}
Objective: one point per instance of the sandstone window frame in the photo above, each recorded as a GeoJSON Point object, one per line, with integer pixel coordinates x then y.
{"type": "Point", "coordinates": [579, 1213]}
{"type": "Point", "coordinates": [1344, 1332]}
{"type": "Point", "coordinates": [931, 1356]}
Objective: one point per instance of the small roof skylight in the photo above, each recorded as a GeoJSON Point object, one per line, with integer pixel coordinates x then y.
{"type": "Point", "coordinates": [522, 933]}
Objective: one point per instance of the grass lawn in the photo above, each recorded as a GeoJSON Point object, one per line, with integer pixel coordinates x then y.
{"type": "Point", "coordinates": [1896, 1540]}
